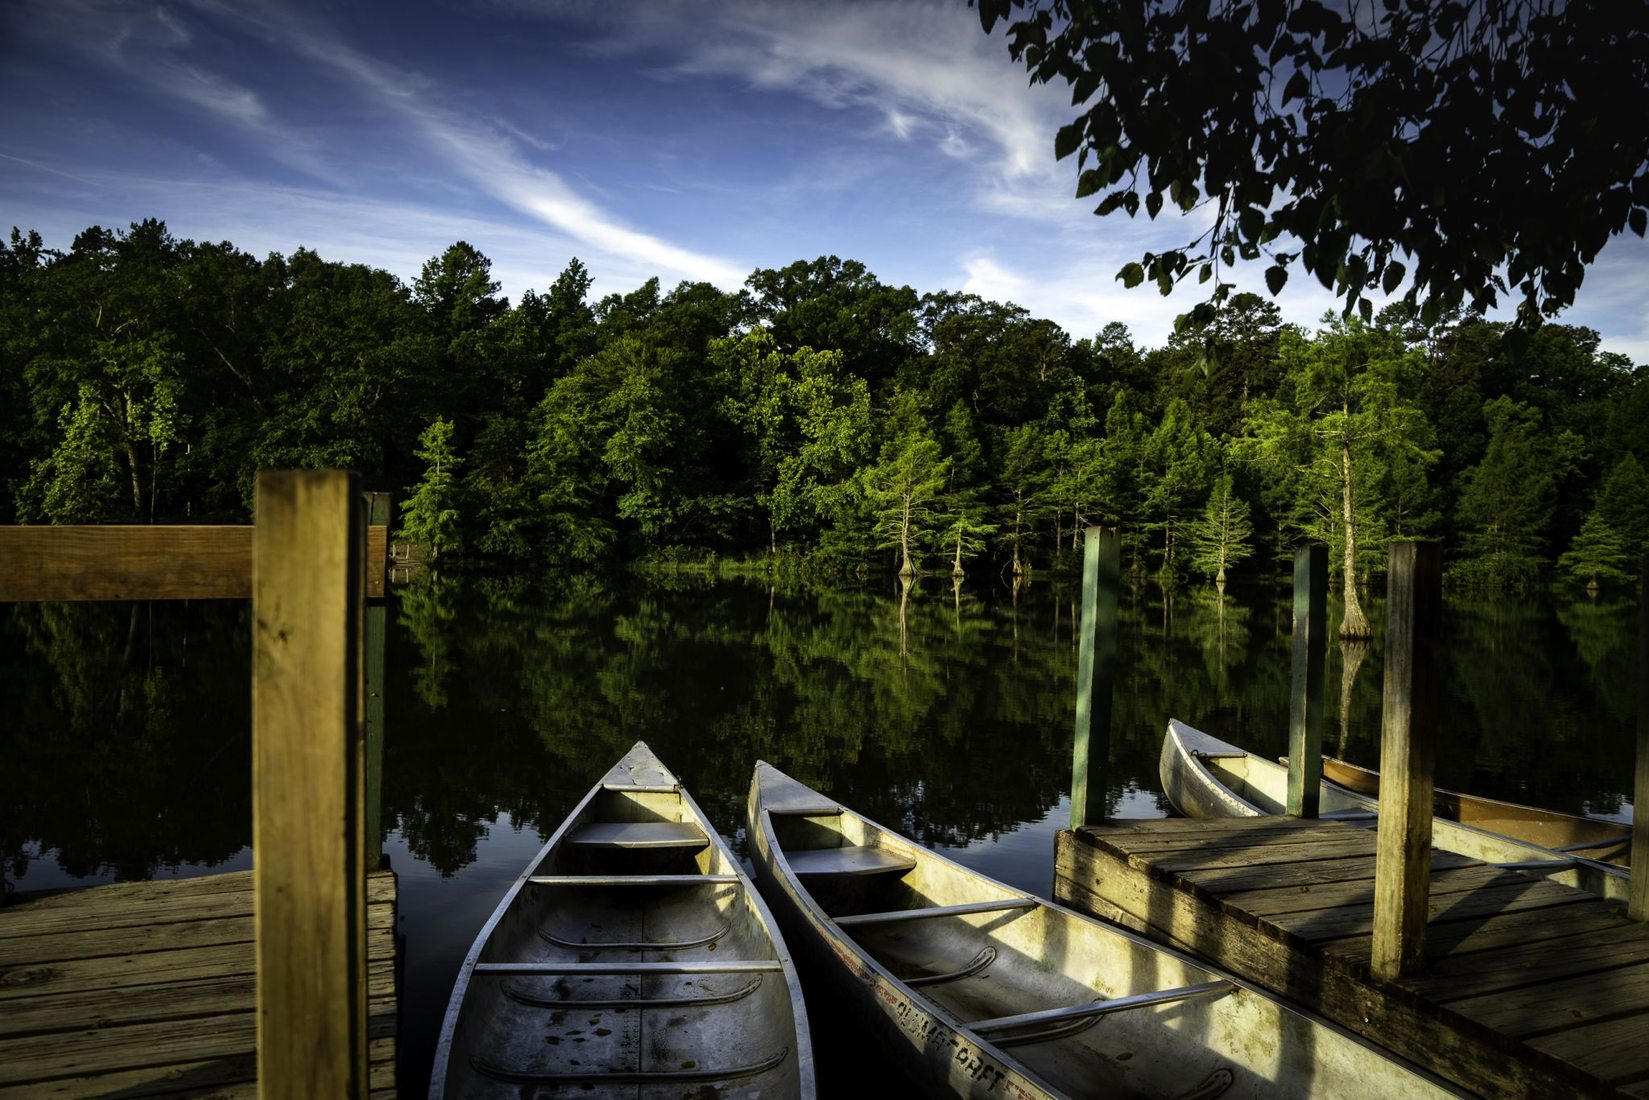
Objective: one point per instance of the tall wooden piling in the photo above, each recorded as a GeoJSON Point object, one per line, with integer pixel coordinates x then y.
{"type": "Point", "coordinates": [376, 630]}
{"type": "Point", "coordinates": [1305, 706]}
{"type": "Point", "coordinates": [308, 785]}
{"type": "Point", "coordinates": [1414, 613]}
{"type": "Point", "coordinates": [1637, 905]}
{"type": "Point", "coordinates": [1095, 671]}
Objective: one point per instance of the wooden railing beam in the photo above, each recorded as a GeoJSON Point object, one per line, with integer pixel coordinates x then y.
{"type": "Point", "coordinates": [48, 563]}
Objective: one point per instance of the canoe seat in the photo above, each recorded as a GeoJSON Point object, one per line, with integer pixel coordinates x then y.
{"type": "Point", "coordinates": [851, 860]}
{"type": "Point", "coordinates": [586, 882]}
{"type": "Point", "coordinates": [639, 834]}
{"type": "Point", "coordinates": [540, 969]}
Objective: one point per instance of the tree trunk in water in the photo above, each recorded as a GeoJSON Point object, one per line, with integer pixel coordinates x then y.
{"type": "Point", "coordinates": [1352, 652]}
{"type": "Point", "coordinates": [956, 566]}
{"type": "Point", "coordinates": [904, 603]}
{"type": "Point", "coordinates": [1019, 513]}
{"type": "Point", "coordinates": [1354, 625]}
{"type": "Point", "coordinates": [907, 569]}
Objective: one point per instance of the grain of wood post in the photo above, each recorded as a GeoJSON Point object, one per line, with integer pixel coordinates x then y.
{"type": "Point", "coordinates": [378, 512]}
{"type": "Point", "coordinates": [1408, 752]}
{"type": "Point", "coordinates": [307, 785]}
{"type": "Point", "coordinates": [1305, 720]}
{"type": "Point", "coordinates": [1637, 904]}
{"type": "Point", "coordinates": [1096, 669]}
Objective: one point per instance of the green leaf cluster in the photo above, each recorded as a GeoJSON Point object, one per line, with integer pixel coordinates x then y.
{"type": "Point", "coordinates": [1468, 150]}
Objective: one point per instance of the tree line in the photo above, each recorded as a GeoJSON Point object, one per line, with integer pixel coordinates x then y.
{"type": "Point", "coordinates": [817, 416]}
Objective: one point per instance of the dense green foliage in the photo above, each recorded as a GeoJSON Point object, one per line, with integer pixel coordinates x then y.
{"type": "Point", "coordinates": [819, 414]}
{"type": "Point", "coordinates": [1475, 141]}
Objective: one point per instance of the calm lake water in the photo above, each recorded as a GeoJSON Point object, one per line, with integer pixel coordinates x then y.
{"type": "Point", "coordinates": [945, 714]}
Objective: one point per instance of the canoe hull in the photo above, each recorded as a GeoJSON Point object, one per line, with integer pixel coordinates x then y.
{"type": "Point", "coordinates": [631, 958]}
{"type": "Point", "coordinates": [1206, 777]}
{"type": "Point", "coordinates": [1608, 841]}
{"type": "Point", "coordinates": [932, 1056]}
{"type": "Point", "coordinates": [1052, 1003]}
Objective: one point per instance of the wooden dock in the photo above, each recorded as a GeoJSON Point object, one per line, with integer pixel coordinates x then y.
{"type": "Point", "coordinates": [147, 989]}
{"type": "Point", "coordinates": [1528, 988]}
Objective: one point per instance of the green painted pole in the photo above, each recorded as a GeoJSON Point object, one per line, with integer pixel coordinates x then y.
{"type": "Point", "coordinates": [375, 626]}
{"type": "Point", "coordinates": [1095, 671]}
{"type": "Point", "coordinates": [1305, 709]}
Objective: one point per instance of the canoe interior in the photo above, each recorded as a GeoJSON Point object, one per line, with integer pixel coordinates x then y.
{"type": "Point", "coordinates": [971, 967]}
{"type": "Point", "coordinates": [647, 1035]}
{"type": "Point", "coordinates": [1608, 841]}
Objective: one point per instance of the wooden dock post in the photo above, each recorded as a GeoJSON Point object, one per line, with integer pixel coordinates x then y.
{"type": "Point", "coordinates": [1637, 903]}
{"type": "Point", "coordinates": [307, 785]}
{"type": "Point", "coordinates": [378, 513]}
{"type": "Point", "coordinates": [1095, 670]}
{"type": "Point", "coordinates": [1305, 708]}
{"type": "Point", "coordinates": [1408, 750]}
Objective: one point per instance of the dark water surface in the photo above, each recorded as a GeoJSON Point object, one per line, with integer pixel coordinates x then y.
{"type": "Point", "coordinates": [944, 714]}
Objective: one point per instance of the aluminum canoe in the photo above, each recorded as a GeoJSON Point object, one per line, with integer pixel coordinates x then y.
{"type": "Point", "coordinates": [1206, 777]}
{"type": "Point", "coordinates": [632, 958]}
{"type": "Point", "coordinates": [976, 989]}
{"type": "Point", "coordinates": [1604, 841]}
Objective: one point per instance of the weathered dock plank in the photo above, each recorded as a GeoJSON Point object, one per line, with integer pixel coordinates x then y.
{"type": "Point", "coordinates": [1528, 988]}
{"type": "Point", "coordinates": [158, 999]}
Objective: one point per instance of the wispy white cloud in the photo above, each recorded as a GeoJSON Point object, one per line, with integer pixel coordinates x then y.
{"type": "Point", "coordinates": [40, 166]}
{"type": "Point", "coordinates": [216, 94]}
{"type": "Point", "coordinates": [918, 66]}
{"type": "Point", "coordinates": [154, 46]}
{"type": "Point", "coordinates": [397, 236]}
{"type": "Point", "coordinates": [488, 158]}
{"type": "Point", "coordinates": [1614, 299]}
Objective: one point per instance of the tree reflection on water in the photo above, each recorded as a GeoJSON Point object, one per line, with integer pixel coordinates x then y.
{"type": "Point", "coordinates": [944, 712]}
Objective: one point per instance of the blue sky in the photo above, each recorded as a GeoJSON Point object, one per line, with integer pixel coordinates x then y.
{"type": "Point", "coordinates": [686, 139]}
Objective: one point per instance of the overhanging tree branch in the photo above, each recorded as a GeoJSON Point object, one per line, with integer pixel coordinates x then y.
{"type": "Point", "coordinates": [1464, 149]}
